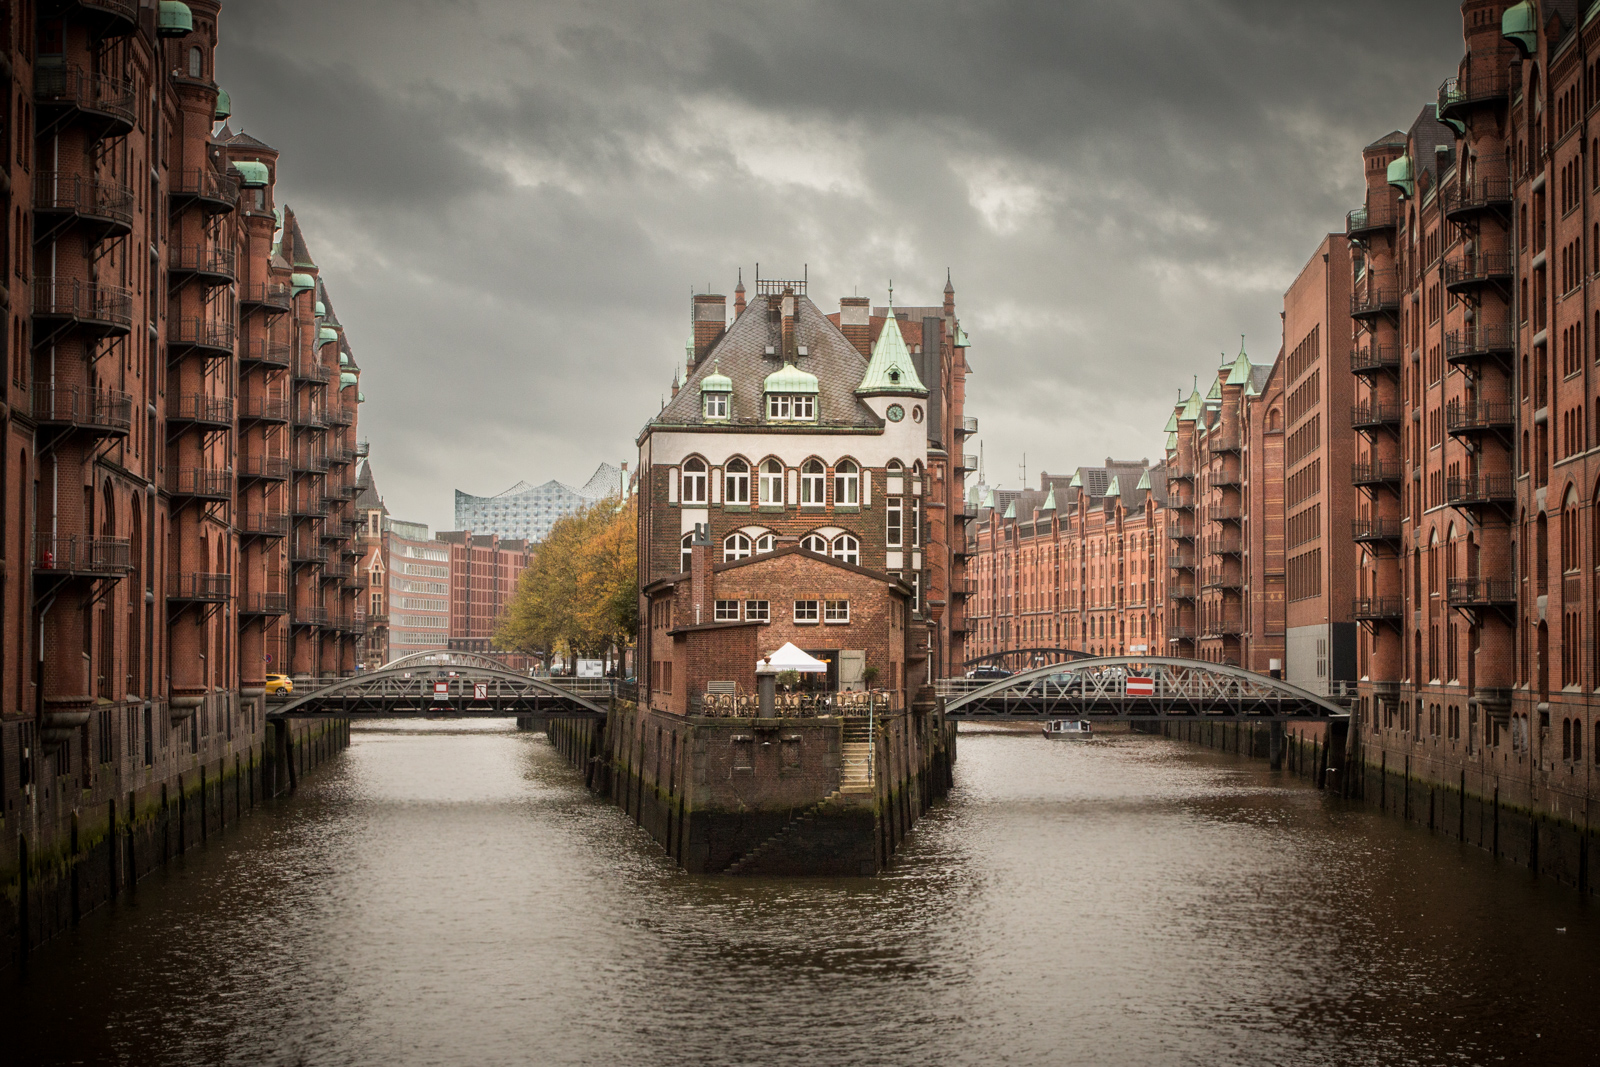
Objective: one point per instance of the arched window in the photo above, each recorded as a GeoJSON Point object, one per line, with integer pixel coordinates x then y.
{"type": "Point", "coordinates": [846, 483]}
{"type": "Point", "coordinates": [772, 482]}
{"type": "Point", "coordinates": [765, 543]}
{"type": "Point", "coordinates": [847, 548]}
{"type": "Point", "coordinates": [737, 482]}
{"type": "Point", "coordinates": [694, 481]}
{"type": "Point", "coordinates": [685, 556]}
{"type": "Point", "coordinates": [815, 543]}
{"type": "Point", "coordinates": [1569, 532]}
{"type": "Point", "coordinates": [196, 62]}
{"type": "Point", "coordinates": [735, 546]}
{"type": "Point", "coordinates": [813, 483]}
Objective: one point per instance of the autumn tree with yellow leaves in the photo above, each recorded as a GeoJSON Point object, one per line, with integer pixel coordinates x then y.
{"type": "Point", "coordinates": [579, 596]}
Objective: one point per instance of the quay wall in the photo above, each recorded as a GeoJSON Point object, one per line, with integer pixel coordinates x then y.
{"type": "Point", "coordinates": [88, 853]}
{"type": "Point", "coordinates": [1500, 814]}
{"type": "Point", "coordinates": [763, 796]}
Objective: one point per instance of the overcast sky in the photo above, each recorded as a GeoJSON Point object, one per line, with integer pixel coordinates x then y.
{"type": "Point", "coordinates": [511, 200]}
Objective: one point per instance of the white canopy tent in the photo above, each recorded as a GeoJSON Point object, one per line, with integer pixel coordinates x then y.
{"type": "Point", "coordinates": [790, 658]}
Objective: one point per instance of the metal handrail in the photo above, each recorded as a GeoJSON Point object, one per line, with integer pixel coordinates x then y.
{"type": "Point", "coordinates": [80, 195]}
{"type": "Point", "coordinates": [84, 301]}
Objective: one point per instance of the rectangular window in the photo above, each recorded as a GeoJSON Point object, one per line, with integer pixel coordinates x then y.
{"type": "Point", "coordinates": [895, 529]}
{"type": "Point", "coordinates": [916, 523]}
{"type": "Point", "coordinates": [757, 611]}
{"type": "Point", "coordinates": [805, 611]}
{"type": "Point", "coordinates": [916, 593]}
{"type": "Point", "coordinates": [716, 405]}
{"type": "Point", "coordinates": [836, 611]}
{"type": "Point", "coordinates": [727, 611]}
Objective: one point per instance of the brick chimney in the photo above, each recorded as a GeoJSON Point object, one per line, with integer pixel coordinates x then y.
{"type": "Point", "coordinates": [789, 312]}
{"type": "Point", "coordinates": [738, 296]}
{"type": "Point", "coordinates": [702, 585]}
{"type": "Point", "coordinates": [855, 322]}
{"type": "Point", "coordinates": [710, 320]}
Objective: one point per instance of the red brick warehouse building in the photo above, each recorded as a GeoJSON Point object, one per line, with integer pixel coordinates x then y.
{"type": "Point", "coordinates": [178, 420]}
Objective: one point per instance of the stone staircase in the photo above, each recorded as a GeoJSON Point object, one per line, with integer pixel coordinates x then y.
{"type": "Point", "coordinates": [856, 756]}
{"type": "Point", "coordinates": [750, 862]}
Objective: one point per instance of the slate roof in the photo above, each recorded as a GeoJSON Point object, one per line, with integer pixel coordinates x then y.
{"type": "Point", "coordinates": [367, 496]}
{"type": "Point", "coordinates": [1428, 132]}
{"type": "Point", "coordinates": [741, 355]}
{"type": "Point", "coordinates": [242, 140]}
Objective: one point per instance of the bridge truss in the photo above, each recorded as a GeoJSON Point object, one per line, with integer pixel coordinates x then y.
{"type": "Point", "coordinates": [1135, 688]}
{"type": "Point", "coordinates": [420, 689]}
{"type": "Point", "coordinates": [1022, 659]}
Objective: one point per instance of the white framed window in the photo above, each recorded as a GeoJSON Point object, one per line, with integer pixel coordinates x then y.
{"type": "Point", "coordinates": [772, 482]}
{"type": "Point", "coordinates": [735, 546]}
{"type": "Point", "coordinates": [694, 481]}
{"type": "Point", "coordinates": [686, 557]}
{"type": "Point", "coordinates": [806, 612]}
{"type": "Point", "coordinates": [847, 548]}
{"type": "Point", "coordinates": [765, 543]}
{"type": "Point", "coordinates": [757, 611]}
{"type": "Point", "coordinates": [894, 522]}
{"type": "Point", "coordinates": [727, 611]}
{"type": "Point", "coordinates": [846, 483]}
{"type": "Point", "coordinates": [916, 523]}
{"type": "Point", "coordinates": [736, 487]}
{"type": "Point", "coordinates": [916, 592]}
{"type": "Point", "coordinates": [716, 405]}
{"type": "Point", "coordinates": [802, 406]}
{"type": "Point", "coordinates": [836, 611]}
{"type": "Point", "coordinates": [814, 542]}
{"type": "Point", "coordinates": [813, 484]}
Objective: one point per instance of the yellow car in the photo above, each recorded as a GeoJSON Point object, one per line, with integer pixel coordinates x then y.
{"type": "Point", "coordinates": [278, 685]}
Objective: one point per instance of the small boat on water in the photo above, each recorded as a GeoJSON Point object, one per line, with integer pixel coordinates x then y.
{"type": "Point", "coordinates": [1067, 729]}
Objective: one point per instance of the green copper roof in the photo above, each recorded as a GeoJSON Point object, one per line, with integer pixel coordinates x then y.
{"type": "Point", "coordinates": [1115, 488]}
{"type": "Point", "coordinates": [1402, 177]}
{"type": "Point", "coordinates": [346, 379]}
{"type": "Point", "coordinates": [1192, 406]}
{"type": "Point", "coordinates": [1011, 511]}
{"type": "Point", "coordinates": [962, 341]}
{"type": "Point", "coordinates": [344, 360]}
{"type": "Point", "coordinates": [1172, 442]}
{"type": "Point", "coordinates": [1216, 389]}
{"type": "Point", "coordinates": [1049, 500]}
{"type": "Point", "coordinates": [716, 381]}
{"type": "Point", "coordinates": [1077, 479]}
{"type": "Point", "coordinates": [1250, 387]}
{"type": "Point", "coordinates": [890, 370]}
{"type": "Point", "coordinates": [175, 19]}
{"type": "Point", "coordinates": [1520, 25]}
{"type": "Point", "coordinates": [988, 499]}
{"type": "Point", "coordinates": [1144, 481]}
{"type": "Point", "coordinates": [790, 379]}
{"type": "Point", "coordinates": [1172, 422]}
{"type": "Point", "coordinates": [319, 308]}
{"type": "Point", "coordinates": [252, 175]}
{"type": "Point", "coordinates": [361, 398]}
{"type": "Point", "coordinates": [1241, 369]}
{"type": "Point", "coordinates": [327, 335]}
{"type": "Point", "coordinates": [299, 283]}
{"type": "Point", "coordinates": [224, 104]}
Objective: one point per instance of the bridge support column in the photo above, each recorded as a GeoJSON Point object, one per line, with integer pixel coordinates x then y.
{"type": "Point", "coordinates": [1275, 746]}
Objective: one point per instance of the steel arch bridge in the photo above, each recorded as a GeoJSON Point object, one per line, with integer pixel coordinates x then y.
{"type": "Point", "coordinates": [1021, 659]}
{"type": "Point", "coordinates": [1162, 687]}
{"type": "Point", "coordinates": [413, 690]}
{"type": "Point", "coordinates": [444, 657]}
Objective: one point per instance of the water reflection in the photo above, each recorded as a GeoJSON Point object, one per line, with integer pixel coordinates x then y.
{"type": "Point", "coordinates": [449, 895]}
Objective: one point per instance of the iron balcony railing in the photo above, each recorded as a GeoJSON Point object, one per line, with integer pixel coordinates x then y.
{"type": "Point", "coordinates": [199, 586]}
{"type": "Point", "coordinates": [1179, 475]}
{"type": "Point", "coordinates": [208, 260]}
{"type": "Point", "coordinates": [310, 370]}
{"type": "Point", "coordinates": [199, 408]}
{"type": "Point", "coordinates": [270, 295]}
{"type": "Point", "coordinates": [1181, 562]}
{"type": "Point", "coordinates": [265, 468]}
{"type": "Point", "coordinates": [1224, 628]}
{"type": "Point", "coordinates": [311, 419]}
{"type": "Point", "coordinates": [74, 87]}
{"type": "Point", "coordinates": [109, 307]}
{"type": "Point", "coordinates": [304, 550]}
{"type": "Point", "coordinates": [263, 409]}
{"type": "Point", "coordinates": [200, 333]}
{"type": "Point", "coordinates": [1226, 480]}
{"type": "Point", "coordinates": [338, 570]}
{"type": "Point", "coordinates": [1482, 194]}
{"type": "Point", "coordinates": [309, 506]}
{"type": "Point", "coordinates": [363, 450]}
{"type": "Point", "coordinates": [1181, 633]}
{"type": "Point", "coordinates": [1374, 416]}
{"type": "Point", "coordinates": [1368, 530]}
{"type": "Point", "coordinates": [1224, 513]}
{"type": "Point", "coordinates": [1481, 592]}
{"type": "Point", "coordinates": [1227, 441]}
{"type": "Point", "coordinates": [1479, 268]}
{"type": "Point", "coordinates": [91, 198]}
{"type": "Point", "coordinates": [338, 416]}
{"type": "Point", "coordinates": [1227, 546]}
{"type": "Point", "coordinates": [266, 351]}
{"type": "Point", "coordinates": [310, 460]}
{"type": "Point", "coordinates": [1180, 505]}
{"type": "Point", "coordinates": [1373, 218]}
{"type": "Point", "coordinates": [106, 410]}
{"type": "Point", "coordinates": [1379, 294]}
{"type": "Point", "coordinates": [1180, 590]}
{"type": "Point", "coordinates": [70, 554]}
{"type": "Point", "coordinates": [1374, 357]}
{"type": "Point", "coordinates": [969, 461]}
{"type": "Point", "coordinates": [1479, 415]}
{"type": "Point", "coordinates": [1478, 342]}
{"type": "Point", "coordinates": [341, 457]}
{"type": "Point", "coordinates": [211, 483]}
{"type": "Point", "coordinates": [969, 424]}
{"type": "Point", "coordinates": [265, 524]}
{"type": "Point", "coordinates": [1486, 81]}
{"type": "Point", "coordinates": [219, 192]}
{"type": "Point", "coordinates": [1377, 472]}
{"type": "Point", "coordinates": [310, 616]}
{"type": "Point", "coordinates": [1376, 607]}
{"type": "Point", "coordinates": [1180, 531]}
{"type": "Point", "coordinates": [264, 604]}
{"type": "Point", "coordinates": [1480, 489]}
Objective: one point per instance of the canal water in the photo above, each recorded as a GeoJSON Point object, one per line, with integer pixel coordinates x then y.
{"type": "Point", "coordinates": [449, 894]}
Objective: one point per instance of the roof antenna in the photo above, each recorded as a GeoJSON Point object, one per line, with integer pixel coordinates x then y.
{"type": "Point", "coordinates": [891, 298]}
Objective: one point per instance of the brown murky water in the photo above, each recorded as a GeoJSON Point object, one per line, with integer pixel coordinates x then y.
{"type": "Point", "coordinates": [450, 895]}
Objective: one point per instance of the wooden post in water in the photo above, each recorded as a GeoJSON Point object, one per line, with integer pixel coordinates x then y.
{"type": "Point", "coordinates": [133, 867]}
{"type": "Point", "coordinates": [73, 881]}
{"type": "Point", "coordinates": [111, 849]}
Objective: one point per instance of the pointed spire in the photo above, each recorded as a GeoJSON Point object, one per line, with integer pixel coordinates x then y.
{"type": "Point", "coordinates": [1011, 510]}
{"type": "Point", "coordinates": [1115, 488]}
{"type": "Point", "coordinates": [738, 295]}
{"type": "Point", "coordinates": [891, 371]}
{"type": "Point", "coordinates": [1049, 500]}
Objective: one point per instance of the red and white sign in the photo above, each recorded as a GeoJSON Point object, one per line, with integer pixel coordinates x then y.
{"type": "Point", "coordinates": [1139, 686]}
{"type": "Point", "coordinates": [441, 690]}
{"type": "Point", "coordinates": [480, 690]}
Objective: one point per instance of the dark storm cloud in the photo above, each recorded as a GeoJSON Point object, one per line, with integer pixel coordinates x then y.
{"type": "Point", "coordinates": [512, 200]}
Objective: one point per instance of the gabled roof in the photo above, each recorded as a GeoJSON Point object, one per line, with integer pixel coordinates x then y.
{"type": "Point", "coordinates": [1240, 374]}
{"type": "Point", "coordinates": [367, 496]}
{"type": "Point", "coordinates": [890, 580]}
{"type": "Point", "coordinates": [242, 140]}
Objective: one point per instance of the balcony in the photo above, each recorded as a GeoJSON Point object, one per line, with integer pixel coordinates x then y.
{"type": "Point", "coordinates": [71, 95]}
{"type": "Point", "coordinates": [363, 450]}
{"type": "Point", "coordinates": [1478, 270]}
{"type": "Point", "coordinates": [1374, 531]}
{"type": "Point", "coordinates": [1227, 546]}
{"type": "Point", "coordinates": [273, 409]}
{"type": "Point", "coordinates": [271, 297]}
{"type": "Point", "coordinates": [1181, 633]}
{"type": "Point", "coordinates": [200, 588]}
{"type": "Point", "coordinates": [105, 310]}
{"type": "Point", "coordinates": [103, 412]}
{"type": "Point", "coordinates": [1481, 592]}
{"type": "Point", "coordinates": [1179, 476]}
{"type": "Point", "coordinates": [104, 207]}
{"type": "Point", "coordinates": [263, 468]}
{"type": "Point", "coordinates": [1222, 441]}
{"type": "Point", "coordinates": [1180, 531]}
{"type": "Point", "coordinates": [1224, 513]}
{"type": "Point", "coordinates": [1379, 296]}
{"type": "Point", "coordinates": [1376, 473]}
{"type": "Point", "coordinates": [332, 570]}
{"type": "Point", "coordinates": [1486, 84]}
{"type": "Point", "coordinates": [1470, 418]}
{"type": "Point", "coordinates": [1224, 628]}
{"type": "Point", "coordinates": [1372, 358]}
{"type": "Point", "coordinates": [341, 457]}
{"type": "Point", "coordinates": [1481, 490]}
{"type": "Point", "coordinates": [1181, 562]}
{"type": "Point", "coordinates": [211, 339]}
{"type": "Point", "coordinates": [969, 424]}
{"type": "Point", "coordinates": [309, 461]}
{"type": "Point", "coordinates": [212, 265]}
{"type": "Point", "coordinates": [107, 19]}
{"type": "Point", "coordinates": [201, 483]}
{"type": "Point", "coordinates": [335, 531]}
{"type": "Point", "coordinates": [1475, 198]}
{"type": "Point", "coordinates": [969, 461]}
{"type": "Point", "coordinates": [87, 557]}
{"type": "Point", "coordinates": [266, 352]}
{"type": "Point", "coordinates": [313, 372]}
{"type": "Point", "coordinates": [1180, 590]}
{"type": "Point", "coordinates": [341, 416]}
{"type": "Point", "coordinates": [1490, 341]}
{"type": "Point", "coordinates": [199, 410]}
{"type": "Point", "coordinates": [1375, 416]}
{"type": "Point", "coordinates": [1226, 480]}
{"type": "Point", "coordinates": [309, 506]}
{"type": "Point", "coordinates": [964, 587]}
{"type": "Point", "coordinates": [310, 616]}
{"type": "Point", "coordinates": [216, 193]}
{"type": "Point", "coordinates": [1365, 222]}
{"type": "Point", "coordinates": [304, 550]}
{"type": "Point", "coordinates": [1376, 609]}
{"type": "Point", "coordinates": [309, 419]}
{"type": "Point", "coordinates": [264, 604]}
{"type": "Point", "coordinates": [264, 524]}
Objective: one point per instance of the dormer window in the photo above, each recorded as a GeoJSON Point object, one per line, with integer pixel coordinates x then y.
{"type": "Point", "coordinates": [716, 405]}
{"type": "Point", "coordinates": [792, 406]}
